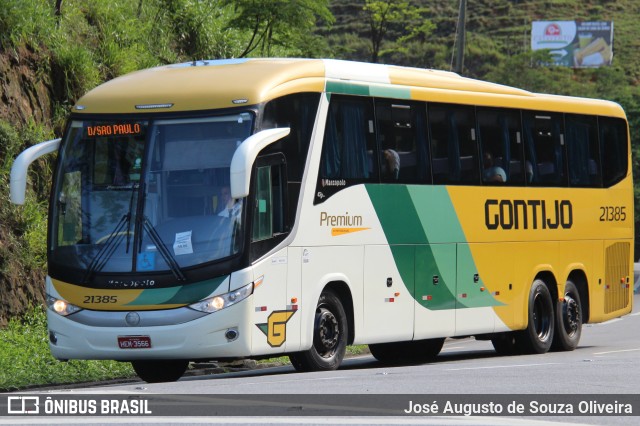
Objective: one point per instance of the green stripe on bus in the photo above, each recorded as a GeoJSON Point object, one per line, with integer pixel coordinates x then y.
{"type": "Point", "coordinates": [347, 88]}
{"type": "Point", "coordinates": [390, 92]}
{"type": "Point", "coordinates": [417, 221]}
{"type": "Point", "coordinates": [406, 235]}
{"type": "Point", "coordinates": [368, 90]}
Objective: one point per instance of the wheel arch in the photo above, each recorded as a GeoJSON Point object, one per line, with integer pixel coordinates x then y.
{"type": "Point", "coordinates": [550, 281]}
{"type": "Point", "coordinates": [342, 290]}
{"type": "Point", "coordinates": [579, 278]}
{"type": "Point", "coordinates": [547, 276]}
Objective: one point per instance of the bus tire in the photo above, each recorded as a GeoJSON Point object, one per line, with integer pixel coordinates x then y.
{"type": "Point", "coordinates": [505, 343]}
{"type": "Point", "coordinates": [330, 334]}
{"type": "Point", "coordinates": [417, 351]}
{"type": "Point", "coordinates": [427, 349]}
{"type": "Point", "coordinates": [538, 336]}
{"type": "Point", "coordinates": [157, 371]}
{"type": "Point", "coordinates": [388, 353]}
{"type": "Point", "coordinates": [568, 319]}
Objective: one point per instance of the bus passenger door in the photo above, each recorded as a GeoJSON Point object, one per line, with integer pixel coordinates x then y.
{"type": "Point", "coordinates": [275, 328]}
{"type": "Point", "coordinates": [388, 293]}
{"type": "Point", "coordinates": [474, 302]}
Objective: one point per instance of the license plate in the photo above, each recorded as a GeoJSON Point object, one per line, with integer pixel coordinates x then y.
{"type": "Point", "coordinates": [134, 342]}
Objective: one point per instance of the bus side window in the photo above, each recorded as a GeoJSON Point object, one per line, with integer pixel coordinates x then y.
{"type": "Point", "coordinates": [402, 141]}
{"type": "Point", "coordinates": [582, 150]}
{"type": "Point", "coordinates": [544, 147]}
{"type": "Point", "coordinates": [500, 140]}
{"type": "Point", "coordinates": [349, 140]}
{"type": "Point", "coordinates": [454, 148]}
{"type": "Point", "coordinates": [613, 146]}
{"type": "Point", "coordinates": [349, 146]}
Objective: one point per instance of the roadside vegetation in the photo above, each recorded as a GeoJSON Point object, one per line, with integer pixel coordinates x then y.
{"type": "Point", "coordinates": [25, 360]}
{"type": "Point", "coordinates": [52, 52]}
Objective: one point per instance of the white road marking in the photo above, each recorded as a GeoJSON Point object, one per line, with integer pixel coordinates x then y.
{"type": "Point", "coordinates": [615, 352]}
{"type": "Point", "coordinates": [504, 366]}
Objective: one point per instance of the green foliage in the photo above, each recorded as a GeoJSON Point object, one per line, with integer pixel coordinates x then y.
{"type": "Point", "coordinates": [25, 22]}
{"type": "Point", "coordinates": [28, 221]}
{"type": "Point", "coordinates": [76, 71]}
{"type": "Point", "coordinates": [120, 36]}
{"type": "Point", "coordinates": [25, 359]}
{"type": "Point", "coordinates": [398, 20]}
{"type": "Point", "coordinates": [199, 28]}
{"type": "Point", "coordinates": [276, 25]}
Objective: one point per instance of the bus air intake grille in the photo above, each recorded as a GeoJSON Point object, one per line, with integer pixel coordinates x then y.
{"type": "Point", "coordinates": [616, 293]}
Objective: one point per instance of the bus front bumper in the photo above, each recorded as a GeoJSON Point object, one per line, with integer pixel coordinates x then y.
{"type": "Point", "coordinates": [207, 337]}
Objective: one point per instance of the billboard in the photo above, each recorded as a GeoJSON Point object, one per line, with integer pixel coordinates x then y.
{"type": "Point", "coordinates": [574, 43]}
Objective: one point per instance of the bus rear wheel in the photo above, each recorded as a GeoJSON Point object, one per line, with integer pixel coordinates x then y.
{"type": "Point", "coordinates": [505, 343]}
{"type": "Point", "coordinates": [538, 336]}
{"type": "Point", "coordinates": [568, 319]}
{"type": "Point", "coordinates": [329, 337]}
{"type": "Point", "coordinates": [157, 371]}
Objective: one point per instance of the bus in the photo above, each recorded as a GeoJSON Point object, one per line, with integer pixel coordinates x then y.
{"type": "Point", "coordinates": [239, 208]}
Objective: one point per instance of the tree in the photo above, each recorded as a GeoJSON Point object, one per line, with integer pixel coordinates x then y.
{"type": "Point", "coordinates": [405, 20]}
{"type": "Point", "coordinates": [276, 22]}
{"type": "Point", "coordinates": [200, 28]}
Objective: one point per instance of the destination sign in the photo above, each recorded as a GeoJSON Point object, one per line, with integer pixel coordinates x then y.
{"type": "Point", "coordinates": [121, 129]}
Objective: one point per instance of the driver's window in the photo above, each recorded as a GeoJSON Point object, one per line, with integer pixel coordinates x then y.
{"type": "Point", "coordinates": [268, 218]}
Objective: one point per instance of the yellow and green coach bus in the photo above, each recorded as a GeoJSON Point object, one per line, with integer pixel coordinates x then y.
{"type": "Point", "coordinates": [254, 207]}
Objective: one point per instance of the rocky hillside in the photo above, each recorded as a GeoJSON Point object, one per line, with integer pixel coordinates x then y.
{"type": "Point", "coordinates": [26, 95]}
{"type": "Point", "coordinates": [25, 90]}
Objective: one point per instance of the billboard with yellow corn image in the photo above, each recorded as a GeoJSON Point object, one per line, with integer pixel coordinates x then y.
{"type": "Point", "coordinates": [573, 43]}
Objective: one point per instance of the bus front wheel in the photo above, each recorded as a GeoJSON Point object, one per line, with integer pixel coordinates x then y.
{"type": "Point", "coordinates": [157, 371]}
{"type": "Point", "coordinates": [329, 337]}
{"type": "Point", "coordinates": [568, 319]}
{"type": "Point", "coordinates": [538, 336]}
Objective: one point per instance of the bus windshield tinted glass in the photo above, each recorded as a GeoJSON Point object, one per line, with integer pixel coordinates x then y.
{"type": "Point", "coordinates": [147, 196]}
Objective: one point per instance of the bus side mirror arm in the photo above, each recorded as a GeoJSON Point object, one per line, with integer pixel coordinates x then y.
{"type": "Point", "coordinates": [245, 156]}
{"type": "Point", "coordinates": [18, 177]}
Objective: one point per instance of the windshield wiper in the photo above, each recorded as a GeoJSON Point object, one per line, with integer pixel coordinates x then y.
{"type": "Point", "coordinates": [108, 248]}
{"type": "Point", "coordinates": [112, 241]}
{"type": "Point", "coordinates": [164, 252]}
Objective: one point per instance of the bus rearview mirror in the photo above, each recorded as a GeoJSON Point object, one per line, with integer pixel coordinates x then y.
{"type": "Point", "coordinates": [18, 179]}
{"type": "Point", "coordinates": [245, 156]}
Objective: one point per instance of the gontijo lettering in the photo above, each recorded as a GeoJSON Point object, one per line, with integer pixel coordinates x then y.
{"type": "Point", "coordinates": [528, 214]}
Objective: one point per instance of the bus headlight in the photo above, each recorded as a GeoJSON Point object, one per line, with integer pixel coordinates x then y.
{"type": "Point", "coordinates": [61, 307]}
{"type": "Point", "coordinates": [215, 303]}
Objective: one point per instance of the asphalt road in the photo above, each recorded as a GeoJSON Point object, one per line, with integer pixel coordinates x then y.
{"type": "Point", "coordinates": [606, 362]}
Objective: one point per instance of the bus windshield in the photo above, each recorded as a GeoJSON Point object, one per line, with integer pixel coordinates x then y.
{"type": "Point", "coordinates": [147, 195]}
